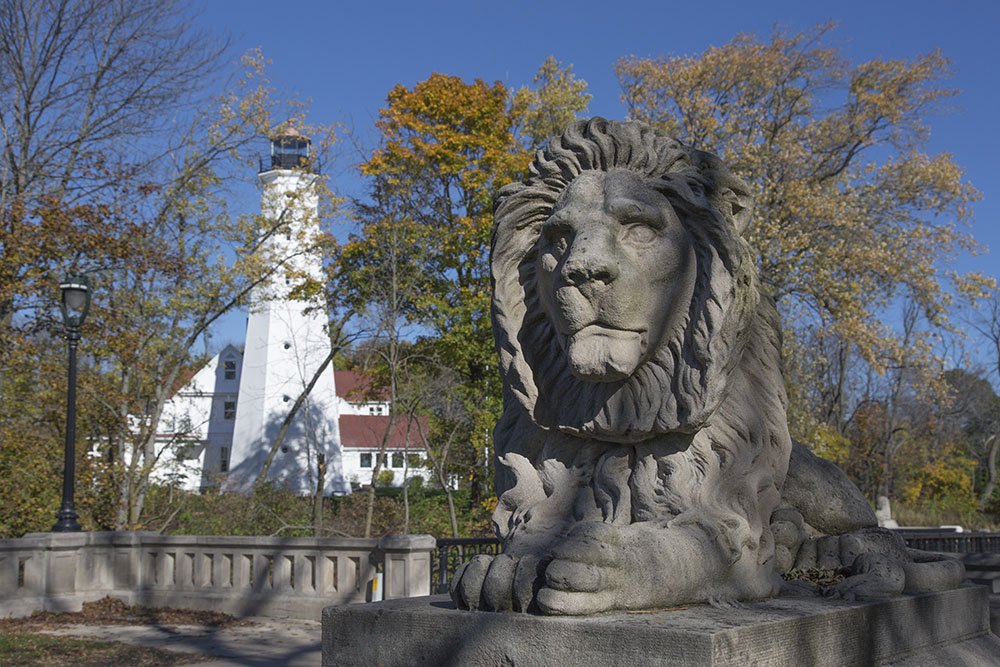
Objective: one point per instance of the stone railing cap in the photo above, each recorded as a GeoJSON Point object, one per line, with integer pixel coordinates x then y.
{"type": "Point", "coordinates": [407, 542]}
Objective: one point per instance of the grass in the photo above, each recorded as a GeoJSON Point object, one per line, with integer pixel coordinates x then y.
{"type": "Point", "coordinates": [24, 649]}
{"type": "Point", "coordinates": [931, 516]}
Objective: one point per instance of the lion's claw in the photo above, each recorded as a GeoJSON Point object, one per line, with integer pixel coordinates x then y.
{"type": "Point", "coordinates": [467, 585]}
{"type": "Point", "coordinates": [498, 585]}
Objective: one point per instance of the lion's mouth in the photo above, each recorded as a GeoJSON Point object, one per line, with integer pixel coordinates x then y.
{"type": "Point", "coordinates": [599, 353]}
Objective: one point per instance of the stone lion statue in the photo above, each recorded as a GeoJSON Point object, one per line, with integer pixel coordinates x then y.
{"type": "Point", "coordinates": [644, 443]}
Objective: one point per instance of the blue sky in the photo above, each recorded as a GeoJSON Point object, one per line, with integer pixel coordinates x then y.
{"type": "Point", "coordinates": [347, 56]}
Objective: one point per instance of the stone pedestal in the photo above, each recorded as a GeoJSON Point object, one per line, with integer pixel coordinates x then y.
{"type": "Point", "coordinates": [932, 630]}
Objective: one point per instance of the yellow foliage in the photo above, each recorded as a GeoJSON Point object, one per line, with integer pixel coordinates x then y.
{"type": "Point", "coordinates": [559, 97]}
{"type": "Point", "coordinates": [826, 442]}
{"type": "Point", "coordinates": [944, 482]}
{"type": "Point", "coordinates": [489, 504]}
{"type": "Point", "coordinates": [850, 214]}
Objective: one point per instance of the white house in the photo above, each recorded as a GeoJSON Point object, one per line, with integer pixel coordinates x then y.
{"type": "Point", "coordinates": [197, 423]}
{"type": "Point", "coordinates": [363, 427]}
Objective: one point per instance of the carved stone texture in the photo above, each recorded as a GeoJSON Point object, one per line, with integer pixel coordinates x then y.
{"type": "Point", "coordinates": [644, 442]}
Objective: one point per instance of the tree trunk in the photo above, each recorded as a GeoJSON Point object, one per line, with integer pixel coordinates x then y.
{"type": "Point", "coordinates": [439, 470]}
{"type": "Point", "coordinates": [991, 464]}
{"type": "Point", "coordinates": [318, 498]}
{"type": "Point", "coordinates": [379, 458]}
{"type": "Point", "coordinates": [451, 511]}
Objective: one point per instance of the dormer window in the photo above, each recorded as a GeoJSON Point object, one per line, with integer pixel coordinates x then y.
{"type": "Point", "coordinates": [229, 369]}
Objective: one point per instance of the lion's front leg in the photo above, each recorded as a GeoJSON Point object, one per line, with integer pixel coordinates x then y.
{"type": "Point", "coordinates": [599, 567]}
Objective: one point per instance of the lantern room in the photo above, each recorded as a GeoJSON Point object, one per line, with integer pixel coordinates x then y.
{"type": "Point", "coordinates": [289, 150]}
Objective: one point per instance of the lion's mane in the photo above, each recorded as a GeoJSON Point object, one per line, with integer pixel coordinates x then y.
{"type": "Point", "coordinates": [648, 446]}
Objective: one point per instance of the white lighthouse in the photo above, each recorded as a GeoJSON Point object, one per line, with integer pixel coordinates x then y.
{"type": "Point", "coordinates": [287, 341]}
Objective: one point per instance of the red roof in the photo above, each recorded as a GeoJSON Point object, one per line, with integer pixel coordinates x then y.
{"type": "Point", "coordinates": [366, 431]}
{"type": "Point", "coordinates": [182, 379]}
{"type": "Point", "coordinates": [356, 388]}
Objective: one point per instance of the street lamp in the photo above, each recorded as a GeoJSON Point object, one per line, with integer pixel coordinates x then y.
{"type": "Point", "coordinates": [74, 305]}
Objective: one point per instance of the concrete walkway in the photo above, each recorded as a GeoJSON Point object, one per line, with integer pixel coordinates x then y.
{"type": "Point", "coordinates": [269, 641]}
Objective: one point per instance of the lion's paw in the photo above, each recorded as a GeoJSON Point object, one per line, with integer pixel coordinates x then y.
{"type": "Point", "coordinates": [587, 572]}
{"type": "Point", "coordinates": [872, 576]}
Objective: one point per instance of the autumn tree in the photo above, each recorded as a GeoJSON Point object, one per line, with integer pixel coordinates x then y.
{"type": "Point", "coordinates": [377, 273]}
{"type": "Point", "coordinates": [975, 417]}
{"type": "Point", "coordinates": [555, 100]}
{"type": "Point", "coordinates": [852, 216]}
{"type": "Point", "coordinates": [118, 162]}
{"type": "Point", "coordinates": [446, 147]}
{"type": "Point", "coordinates": [90, 90]}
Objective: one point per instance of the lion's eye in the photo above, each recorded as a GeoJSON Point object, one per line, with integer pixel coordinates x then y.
{"type": "Point", "coordinates": [639, 233]}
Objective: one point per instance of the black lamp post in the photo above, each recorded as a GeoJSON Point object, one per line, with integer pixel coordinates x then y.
{"type": "Point", "coordinates": [75, 304]}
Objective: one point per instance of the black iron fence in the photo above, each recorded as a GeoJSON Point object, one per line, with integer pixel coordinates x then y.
{"type": "Point", "coordinates": [452, 552]}
{"type": "Point", "coordinates": [950, 541]}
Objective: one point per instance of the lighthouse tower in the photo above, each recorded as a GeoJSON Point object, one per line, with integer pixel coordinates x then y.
{"type": "Point", "coordinates": [287, 341]}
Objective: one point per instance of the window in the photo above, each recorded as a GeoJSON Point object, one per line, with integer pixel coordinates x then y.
{"type": "Point", "coordinates": [397, 460]}
{"type": "Point", "coordinates": [229, 370]}
{"type": "Point", "coordinates": [223, 459]}
{"type": "Point", "coordinates": [366, 460]}
{"type": "Point", "coordinates": [229, 410]}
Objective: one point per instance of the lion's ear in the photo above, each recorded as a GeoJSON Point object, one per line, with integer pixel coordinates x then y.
{"type": "Point", "coordinates": [727, 192]}
{"type": "Point", "coordinates": [736, 206]}
{"type": "Point", "coordinates": [729, 195]}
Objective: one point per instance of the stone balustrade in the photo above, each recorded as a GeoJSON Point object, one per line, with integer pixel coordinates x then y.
{"type": "Point", "coordinates": [291, 577]}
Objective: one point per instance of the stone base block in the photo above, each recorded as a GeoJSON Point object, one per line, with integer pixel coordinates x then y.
{"type": "Point", "coordinates": [933, 629]}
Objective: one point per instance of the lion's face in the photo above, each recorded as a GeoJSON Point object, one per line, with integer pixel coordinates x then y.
{"type": "Point", "coordinates": [616, 270]}
{"type": "Point", "coordinates": [622, 287]}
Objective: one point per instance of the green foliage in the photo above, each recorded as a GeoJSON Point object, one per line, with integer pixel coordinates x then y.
{"type": "Point", "coordinates": [446, 147]}
{"type": "Point", "coordinates": [557, 99]}
{"type": "Point", "coordinates": [275, 511]}
{"type": "Point", "coordinates": [944, 482]}
{"type": "Point", "coordinates": [270, 510]}
{"type": "Point", "coordinates": [385, 478]}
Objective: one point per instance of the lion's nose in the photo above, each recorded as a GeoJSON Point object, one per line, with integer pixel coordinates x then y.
{"type": "Point", "coordinates": [589, 265]}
